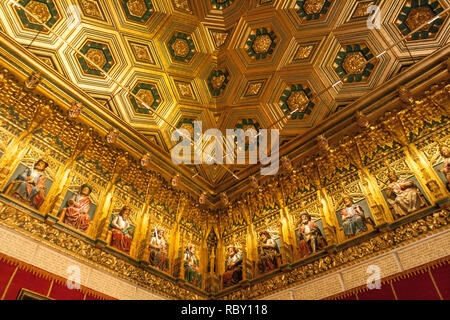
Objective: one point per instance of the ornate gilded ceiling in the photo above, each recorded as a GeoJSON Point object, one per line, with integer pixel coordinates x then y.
{"type": "Point", "coordinates": [228, 63]}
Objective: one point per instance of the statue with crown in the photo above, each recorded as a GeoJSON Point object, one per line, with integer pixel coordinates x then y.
{"type": "Point", "coordinates": [159, 249]}
{"type": "Point", "coordinates": [233, 266]}
{"type": "Point", "coordinates": [354, 220]}
{"type": "Point", "coordinates": [77, 209]}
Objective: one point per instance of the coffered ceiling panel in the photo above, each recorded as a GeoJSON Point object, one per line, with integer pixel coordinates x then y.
{"type": "Point", "coordinates": [227, 63]}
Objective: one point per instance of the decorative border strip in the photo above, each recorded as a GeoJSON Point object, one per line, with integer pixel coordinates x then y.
{"type": "Point", "coordinates": [50, 276]}
{"type": "Point", "coordinates": [22, 222]}
{"type": "Point", "coordinates": [435, 221]}
{"type": "Point", "coordinates": [397, 277]}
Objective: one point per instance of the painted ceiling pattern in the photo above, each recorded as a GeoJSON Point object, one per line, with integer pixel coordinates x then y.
{"type": "Point", "coordinates": [226, 63]}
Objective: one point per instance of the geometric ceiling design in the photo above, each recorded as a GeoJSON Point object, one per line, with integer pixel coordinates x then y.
{"type": "Point", "coordinates": [227, 63]}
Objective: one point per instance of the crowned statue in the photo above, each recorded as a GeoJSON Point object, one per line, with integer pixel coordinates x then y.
{"type": "Point", "coordinates": [353, 218]}
{"type": "Point", "coordinates": [403, 195]}
{"type": "Point", "coordinates": [268, 252]}
{"type": "Point", "coordinates": [122, 230]}
{"type": "Point", "coordinates": [30, 185]}
{"type": "Point", "coordinates": [311, 239]}
{"type": "Point", "coordinates": [233, 266]}
{"type": "Point", "coordinates": [159, 250]}
{"type": "Point", "coordinates": [76, 212]}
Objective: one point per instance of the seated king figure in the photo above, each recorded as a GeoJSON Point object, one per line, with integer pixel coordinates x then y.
{"type": "Point", "coordinates": [76, 213]}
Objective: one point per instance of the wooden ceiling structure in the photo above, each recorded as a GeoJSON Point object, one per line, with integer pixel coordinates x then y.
{"type": "Point", "coordinates": [228, 63]}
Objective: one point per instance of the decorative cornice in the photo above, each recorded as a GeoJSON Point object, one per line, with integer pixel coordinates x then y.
{"type": "Point", "coordinates": [416, 227]}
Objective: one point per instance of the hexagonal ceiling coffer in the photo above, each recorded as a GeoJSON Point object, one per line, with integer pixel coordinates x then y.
{"type": "Point", "coordinates": [149, 94]}
{"type": "Point", "coordinates": [221, 4]}
{"type": "Point", "coordinates": [415, 13]}
{"type": "Point", "coordinates": [312, 9]}
{"type": "Point", "coordinates": [261, 43]}
{"type": "Point", "coordinates": [217, 81]}
{"type": "Point", "coordinates": [248, 124]}
{"type": "Point", "coordinates": [44, 10]}
{"type": "Point", "coordinates": [352, 63]}
{"type": "Point", "coordinates": [297, 97]}
{"type": "Point", "coordinates": [138, 10]}
{"type": "Point", "coordinates": [181, 47]}
{"type": "Point", "coordinates": [100, 54]}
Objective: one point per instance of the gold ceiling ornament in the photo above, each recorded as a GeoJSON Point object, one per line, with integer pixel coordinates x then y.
{"type": "Point", "coordinates": [38, 9]}
{"type": "Point", "coordinates": [254, 89]}
{"type": "Point", "coordinates": [361, 10]}
{"type": "Point", "coordinates": [182, 5]}
{"type": "Point", "coordinates": [354, 63]}
{"type": "Point", "coordinates": [181, 48]}
{"type": "Point", "coordinates": [309, 2]}
{"type": "Point", "coordinates": [185, 89]}
{"type": "Point", "coordinates": [262, 43]}
{"type": "Point", "coordinates": [418, 16]}
{"type": "Point", "coordinates": [298, 100]}
{"type": "Point", "coordinates": [217, 81]}
{"type": "Point", "coordinates": [303, 52]}
{"type": "Point", "coordinates": [96, 56]}
{"type": "Point", "coordinates": [146, 96]}
{"type": "Point", "coordinates": [313, 6]}
{"type": "Point", "coordinates": [219, 37]}
{"type": "Point", "coordinates": [137, 8]}
{"type": "Point", "coordinates": [141, 53]}
{"type": "Point", "coordinates": [91, 9]}
{"type": "Point", "coordinates": [448, 64]}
